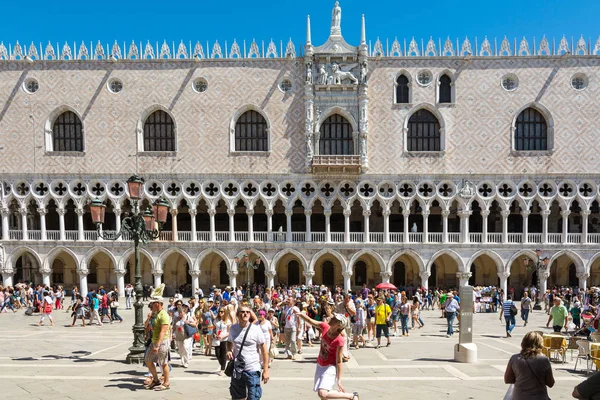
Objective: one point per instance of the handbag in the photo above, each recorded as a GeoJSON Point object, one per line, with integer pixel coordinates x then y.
{"type": "Point", "coordinates": [231, 363]}
{"type": "Point", "coordinates": [189, 330]}
{"type": "Point", "coordinates": [513, 309]}
{"type": "Point", "coordinates": [509, 392]}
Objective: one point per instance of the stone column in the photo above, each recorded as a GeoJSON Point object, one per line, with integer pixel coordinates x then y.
{"type": "Point", "coordinates": [385, 277]}
{"type": "Point", "coordinates": [195, 280]}
{"type": "Point", "coordinates": [463, 278]}
{"type": "Point", "coordinates": [405, 214]}
{"type": "Point", "coordinates": [425, 278]}
{"type": "Point", "coordinates": [386, 226]}
{"type": "Point", "coordinates": [565, 225]}
{"type": "Point", "coordinates": [583, 277]}
{"type": "Point", "coordinates": [120, 283]}
{"type": "Point", "coordinates": [193, 212]}
{"type": "Point", "coordinates": [347, 283]}
{"type": "Point", "coordinates": [347, 226]}
{"type": "Point", "coordinates": [211, 213]}
{"type": "Point", "coordinates": [288, 223]}
{"type": "Point", "coordinates": [61, 223]}
{"type": "Point", "coordinates": [269, 214]}
{"type": "Point", "coordinates": [270, 275]}
{"type": "Point", "coordinates": [250, 214]}
{"type": "Point", "coordinates": [231, 214]}
{"type": "Point", "coordinates": [505, 214]}
{"type": "Point", "coordinates": [584, 225]}
{"type": "Point", "coordinates": [174, 231]}
{"type": "Point", "coordinates": [157, 278]}
{"type": "Point", "coordinates": [543, 278]}
{"type": "Point", "coordinates": [7, 277]}
{"type": "Point", "coordinates": [425, 215]}
{"type": "Point", "coordinates": [307, 214]}
{"type": "Point", "coordinates": [464, 222]}
{"type": "Point", "coordinates": [80, 235]}
{"type": "Point", "coordinates": [366, 215]}
{"type": "Point", "coordinates": [43, 212]}
{"type": "Point", "coordinates": [545, 214]}
{"type": "Point", "coordinates": [504, 283]}
{"type": "Point", "coordinates": [232, 278]}
{"type": "Point", "coordinates": [23, 212]}
{"type": "Point", "coordinates": [525, 215]}
{"type": "Point", "coordinates": [117, 212]}
{"type": "Point", "coordinates": [83, 286]}
{"type": "Point", "coordinates": [445, 214]}
{"type": "Point", "coordinates": [484, 217]}
{"type": "Point", "coordinates": [5, 213]}
{"type": "Point", "coordinates": [308, 275]}
{"type": "Point", "coordinates": [327, 214]}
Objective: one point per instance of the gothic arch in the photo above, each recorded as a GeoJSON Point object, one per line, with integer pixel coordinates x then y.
{"type": "Point", "coordinates": [283, 252]}
{"type": "Point", "coordinates": [529, 253]}
{"type": "Point", "coordinates": [431, 108]}
{"type": "Point", "coordinates": [236, 115]}
{"type": "Point", "coordinates": [356, 256]}
{"type": "Point", "coordinates": [577, 260]}
{"type": "Point", "coordinates": [490, 253]}
{"type": "Point", "coordinates": [334, 253]}
{"type": "Point", "coordinates": [54, 114]}
{"type": "Point", "coordinates": [18, 252]}
{"type": "Point", "coordinates": [337, 110]}
{"type": "Point", "coordinates": [97, 250]}
{"type": "Point", "coordinates": [142, 120]}
{"type": "Point", "coordinates": [49, 259]}
{"type": "Point", "coordinates": [591, 262]}
{"type": "Point", "coordinates": [208, 251]}
{"type": "Point", "coordinates": [165, 254]}
{"type": "Point", "coordinates": [411, 253]}
{"type": "Point", "coordinates": [129, 252]}
{"type": "Point", "coordinates": [452, 77]}
{"type": "Point", "coordinates": [259, 253]}
{"type": "Point", "coordinates": [452, 254]}
{"type": "Point", "coordinates": [547, 116]}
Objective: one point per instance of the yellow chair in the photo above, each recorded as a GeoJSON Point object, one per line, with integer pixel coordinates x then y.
{"type": "Point", "coordinates": [558, 346]}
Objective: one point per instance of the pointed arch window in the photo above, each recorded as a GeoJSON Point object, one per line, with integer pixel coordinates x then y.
{"type": "Point", "coordinates": [445, 89]}
{"type": "Point", "coordinates": [531, 131]}
{"type": "Point", "coordinates": [67, 132]}
{"type": "Point", "coordinates": [159, 132]}
{"type": "Point", "coordinates": [336, 137]}
{"type": "Point", "coordinates": [251, 132]}
{"type": "Point", "coordinates": [423, 132]}
{"type": "Point", "coordinates": [402, 90]}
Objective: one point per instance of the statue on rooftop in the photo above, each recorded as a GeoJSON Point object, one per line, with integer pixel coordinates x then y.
{"type": "Point", "coordinates": [336, 19]}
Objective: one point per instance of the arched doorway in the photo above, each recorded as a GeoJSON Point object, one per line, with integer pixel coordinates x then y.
{"type": "Point", "coordinates": [259, 273]}
{"type": "Point", "coordinates": [102, 272]}
{"type": "Point", "coordinates": [145, 266]}
{"type": "Point", "coordinates": [366, 269]}
{"type": "Point", "coordinates": [399, 274]}
{"type": "Point", "coordinates": [484, 271]}
{"type": "Point", "coordinates": [328, 270]}
{"type": "Point", "coordinates": [223, 276]}
{"type": "Point", "coordinates": [27, 269]}
{"type": "Point", "coordinates": [328, 274]}
{"type": "Point", "coordinates": [573, 280]}
{"type": "Point", "coordinates": [432, 281]}
{"type": "Point", "coordinates": [446, 270]}
{"type": "Point", "coordinates": [360, 273]}
{"type": "Point", "coordinates": [175, 274]}
{"type": "Point", "coordinates": [293, 273]}
{"type": "Point", "coordinates": [405, 271]}
{"type": "Point", "coordinates": [563, 272]}
{"type": "Point", "coordinates": [289, 270]}
{"type": "Point", "coordinates": [213, 271]}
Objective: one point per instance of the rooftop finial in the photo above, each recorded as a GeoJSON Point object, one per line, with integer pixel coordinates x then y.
{"type": "Point", "coordinates": [336, 20]}
{"type": "Point", "coordinates": [363, 31]}
{"type": "Point", "coordinates": [308, 30]}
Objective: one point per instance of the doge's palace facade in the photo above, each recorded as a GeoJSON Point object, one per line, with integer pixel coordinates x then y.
{"type": "Point", "coordinates": [433, 163]}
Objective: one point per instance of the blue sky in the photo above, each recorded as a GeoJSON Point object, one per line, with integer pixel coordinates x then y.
{"type": "Point", "coordinates": [109, 20]}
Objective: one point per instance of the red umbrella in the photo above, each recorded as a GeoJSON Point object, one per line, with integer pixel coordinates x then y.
{"type": "Point", "coordinates": [387, 286]}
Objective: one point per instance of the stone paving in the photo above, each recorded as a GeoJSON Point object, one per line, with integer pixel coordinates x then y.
{"type": "Point", "coordinates": [61, 362]}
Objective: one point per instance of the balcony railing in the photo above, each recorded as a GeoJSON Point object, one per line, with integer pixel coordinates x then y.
{"type": "Point", "coordinates": [320, 237]}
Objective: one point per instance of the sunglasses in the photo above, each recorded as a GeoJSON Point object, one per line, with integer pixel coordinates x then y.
{"type": "Point", "coordinates": [244, 312]}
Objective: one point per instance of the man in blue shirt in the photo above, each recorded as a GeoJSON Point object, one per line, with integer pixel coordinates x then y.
{"type": "Point", "coordinates": [509, 317]}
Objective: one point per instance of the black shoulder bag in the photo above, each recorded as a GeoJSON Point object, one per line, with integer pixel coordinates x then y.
{"type": "Point", "coordinates": [231, 364]}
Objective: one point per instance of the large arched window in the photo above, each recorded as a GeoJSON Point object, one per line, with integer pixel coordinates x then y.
{"type": "Point", "coordinates": [336, 137]}
{"type": "Point", "coordinates": [159, 132]}
{"type": "Point", "coordinates": [423, 132]}
{"type": "Point", "coordinates": [251, 132]}
{"type": "Point", "coordinates": [67, 133]}
{"type": "Point", "coordinates": [402, 89]}
{"type": "Point", "coordinates": [445, 89]}
{"type": "Point", "coordinates": [531, 131]}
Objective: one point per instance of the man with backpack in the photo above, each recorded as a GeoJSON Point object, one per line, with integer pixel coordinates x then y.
{"type": "Point", "coordinates": [509, 311]}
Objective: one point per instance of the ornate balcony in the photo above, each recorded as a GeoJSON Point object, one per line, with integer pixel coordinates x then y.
{"type": "Point", "coordinates": [336, 165]}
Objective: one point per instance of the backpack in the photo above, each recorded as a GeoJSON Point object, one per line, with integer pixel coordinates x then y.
{"type": "Point", "coordinates": [513, 309]}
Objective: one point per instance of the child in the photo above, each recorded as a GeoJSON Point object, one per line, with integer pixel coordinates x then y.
{"type": "Point", "coordinates": [576, 314]}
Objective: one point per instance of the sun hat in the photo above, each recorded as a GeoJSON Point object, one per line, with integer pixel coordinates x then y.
{"type": "Point", "coordinates": [341, 318]}
{"type": "Point", "coordinates": [157, 294]}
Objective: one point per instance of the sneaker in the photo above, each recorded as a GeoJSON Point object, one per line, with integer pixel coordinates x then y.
{"type": "Point", "coordinates": [508, 334]}
{"type": "Point", "coordinates": [447, 336]}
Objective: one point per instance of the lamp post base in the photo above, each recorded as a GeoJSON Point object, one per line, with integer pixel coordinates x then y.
{"type": "Point", "coordinates": [136, 356]}
{"type": "Point", "coordinates": [537, 307]}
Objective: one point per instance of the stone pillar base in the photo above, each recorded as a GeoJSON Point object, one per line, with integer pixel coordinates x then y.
{"type": "Point", "coordinates": [465, 353]}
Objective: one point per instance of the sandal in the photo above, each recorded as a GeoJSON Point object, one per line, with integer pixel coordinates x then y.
{"type": "Point", "coordinates": [148, 380]}
{"type": "Point", "coordinates": [356, 397]}
{"type": "Point", "coordinates": [152, 385]}
{"type": "Point", "coordinates": [162, 387]}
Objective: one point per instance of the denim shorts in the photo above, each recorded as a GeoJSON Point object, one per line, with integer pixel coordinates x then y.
{"type": "Point", "coordinates": [247, 387]}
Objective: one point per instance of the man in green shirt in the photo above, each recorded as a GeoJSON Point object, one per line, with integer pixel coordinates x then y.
{"type": "Point", "coordinates": [158, 351]}
{"type": "Point", "coordinates": [558, 316]}
{"type": "Point", "coordinates": [443, 298]}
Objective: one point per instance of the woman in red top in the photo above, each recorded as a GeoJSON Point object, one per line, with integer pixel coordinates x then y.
{"type": "Point", "coordinates": [330, 359]}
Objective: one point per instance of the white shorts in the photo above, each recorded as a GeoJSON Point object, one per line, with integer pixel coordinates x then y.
{"type": "Point", "coordinates": [324, 377]}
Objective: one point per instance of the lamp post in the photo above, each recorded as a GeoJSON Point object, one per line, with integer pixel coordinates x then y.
{"type": "Point", "coordinates": [245, 261]}
{"type": "Point", "coordinates": [540, 265]}
{"type": "Point", "coordinates": [141, 228]}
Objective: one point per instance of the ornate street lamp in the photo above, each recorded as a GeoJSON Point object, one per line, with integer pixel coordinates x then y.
{"type": "Point", "coordinates": [245, 262]}
{"type": "Point", "coordinates": [141, 227]}
{"type": "Point", "coordinates": [540, 265]}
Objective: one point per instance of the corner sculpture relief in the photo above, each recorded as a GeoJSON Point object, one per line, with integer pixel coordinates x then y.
{"type": "Point", "coordinates": [339, 74]}
{"type": "Point", "coordinates": [468, 190]}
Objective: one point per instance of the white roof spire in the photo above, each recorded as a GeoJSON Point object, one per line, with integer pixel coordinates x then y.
{"type": "Point", "coordinates": [308, 30]}
{"type": "Point", "coordinates": [363, 31]}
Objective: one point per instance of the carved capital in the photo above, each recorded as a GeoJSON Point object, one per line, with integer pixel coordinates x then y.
{"type": "Point", "coordinates": [327, 213]}
{"type": "Point", "coordinates": [425, 213]}
{"type": "Point", "coordinates": [505, 213]}
{"type": "Point", "coordinates": [270, 274]}
{"type": "Point", "coordinates": [406, 213]}
{"type": "Point", "coordinates": [346, 274]}
{"type": "Point", "coordinates": [445, 213]}
{"type": "Point", "coordinates": [485, 213]}
{"type": "Point", "coordinates": [230, 212]}
{"type": "Point", "coordinates": [61, 211]}
{"type": "Point", "coordinates": [308, 212]}
{"type": "Point", "coordinates": [583, 275]}
{"type": "Point", "coordinates": [23, 211]}
{"type": "Point", "coordinates": [79, 212]}
{"type": "Point", "coordinates": [42, 211]}
{"type": "Point", "coordinates": [289, 213]}
{"type": "Point", "coordinates": [5, 212]}
{"type": "Point", "coordinates": [157, 273]}
{"type": "Point", "coordinates": [194, 273]}
{"type": "Point", "coordinates": [120, 273]}
{"type": "Point", "coordinates": [585, 213]}
{"type": "Point", "coordinates": [117, 212]}
{"type": "Point", "coordinates": [193, 212]}
{"type": "Point", "coordinates": [367, 213]}
{"type": "Point", "coordinates": [386, 275]}
{"type": "Point", "coordinates": [565, 213]}
{"type": "Point", "coordinates": [347, 213]}
{"type": "Point", "coordinates": [465, 213]}
{"type": "Point", "coordinates": [525, 213]}
{"type": "Point", "coordinates": [269, 212]}
{"type": "Point", "coordinates": [250, 212]}
{"type": "Point", "coordinates": [83, 272]}
{"type": "Point", "coordinates": [386, 213]}
{"type": "Point", "coordinates": [212, 212]}
{"type": "Point", "coordinates": [545, 213]}
{"type": "Point", "coordinates": [174, 212]}
{"type": "Point", "coordinates": [424, 275]}
{"type": "Point", "coordinates": [543, 275]}
{"type": "Point", "coordinates": [503, 275]}
{"type": "Point", "coordinates": [463, 275]}
{"type": "Point", "coordinates": [309, 274]}
{"type": "Point", "coordinates": [232, 273]}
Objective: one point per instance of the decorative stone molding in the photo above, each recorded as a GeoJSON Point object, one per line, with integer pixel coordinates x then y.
{"type": "Point", "coordinates": [347, 274]}
{"type": "Point", "coordinates": [583, 275]}
{"type": "Point", "coordinates": [503, 275]}
{"type": "Point", "coordinates": [463, 275]}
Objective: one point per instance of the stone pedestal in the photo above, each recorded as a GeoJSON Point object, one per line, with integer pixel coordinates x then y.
{"type": "Point", "coordinates": [465, 352]}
